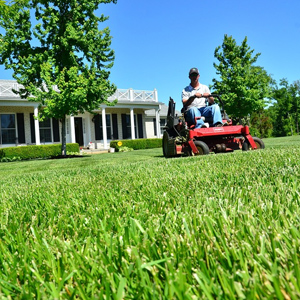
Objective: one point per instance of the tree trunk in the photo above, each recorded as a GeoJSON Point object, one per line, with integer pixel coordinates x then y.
{"type": "Point", "coordinates": [63, 137]}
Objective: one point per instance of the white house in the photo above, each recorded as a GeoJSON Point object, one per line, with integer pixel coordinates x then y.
{"type": "Point", "coordinates": [126, 120]}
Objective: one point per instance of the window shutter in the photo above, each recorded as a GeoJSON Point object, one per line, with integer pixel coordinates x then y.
{"type": "Point", "coordinates": [21, 128]}
{"type": "Point", "coordinates": [124, 126]}
{"type": "Point", "coordinates": [32, 132]}
{"type": "Point", "coordinates": [55, 129]}
{"type": "Point", "coordinates": [140, 125]}
{"type": "Point", "coordinates": [115, 126]}
{"type": "Point", "coordinates": [98, 131]}
{"type": "Point", "coordinates": [154, 124]}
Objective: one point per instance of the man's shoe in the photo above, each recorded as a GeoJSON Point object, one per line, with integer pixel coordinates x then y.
{"type": "Point", "coordinates": [203, 126]}
{"type": "Point", "coordinates": [219, 125]}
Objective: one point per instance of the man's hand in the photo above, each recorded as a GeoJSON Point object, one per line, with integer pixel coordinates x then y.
{"type": "Point", "coordinates": [187, 102]}
{"type": "Point", "coordinates": [211, 100]}
{"type": "Point", "coordinates": [198, 95]}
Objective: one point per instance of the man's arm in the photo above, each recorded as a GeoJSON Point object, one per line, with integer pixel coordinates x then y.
{"type": "Point", "coordinates": [211, 100]}
{"type": "Point", "coordinates": [187, 102]}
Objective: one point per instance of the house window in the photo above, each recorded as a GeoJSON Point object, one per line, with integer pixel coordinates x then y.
{"type": "Point", "coordinates": [99, 127]}
{"type": "Point", "coordinates": [108, 126]}
{"type": "Point", "coordinates": [128, 126]}
{"type": "Point", "coordinates": [162, 124]}
{"type": "Point", "coordinates": [45, 131]}
{"type": "Point", "coordinates": [8, 128]}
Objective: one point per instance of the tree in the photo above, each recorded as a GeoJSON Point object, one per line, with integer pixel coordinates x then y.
{"type": "Point", "coordinates": [286, 108]}
{"type": "Point", "coordinates": [242, 85]}
{"type": "Point", "coordinates": [261, 124]}
{"type": "Point", "coordinates": [63, 61]}
{"type": "Point", "coordinates": [295, 91]}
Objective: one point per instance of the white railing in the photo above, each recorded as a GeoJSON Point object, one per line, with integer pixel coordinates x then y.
{"type": "Point", "coordinates": [6, 87]}
{"type": "Point", "coordinates": [134, 95]}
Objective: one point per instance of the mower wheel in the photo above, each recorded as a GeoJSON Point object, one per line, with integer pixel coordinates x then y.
{"type": "Point", "coordinates": [168, 145]}
{"type": "Point", "coordinates": [202, 148]}
{"type": "Point", "coordinates": [259, 144]}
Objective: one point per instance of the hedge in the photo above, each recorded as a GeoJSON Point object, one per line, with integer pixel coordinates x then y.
{"type": "Point", "coordinates": [34, 151]}
{"type": "Point", "coordinates": [136, 144]}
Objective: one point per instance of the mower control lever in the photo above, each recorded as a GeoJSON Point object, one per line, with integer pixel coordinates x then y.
{"type": "Point", "coordinates": [216, 96]}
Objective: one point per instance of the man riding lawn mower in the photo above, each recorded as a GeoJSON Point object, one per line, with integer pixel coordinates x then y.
{"type": "Point", "coordinates": [184, 136]}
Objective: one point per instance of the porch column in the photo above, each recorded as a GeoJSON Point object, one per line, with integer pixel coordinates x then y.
{"type": "Point", "coordinates": [88, 133]}
{"type": "Point", "coordinates": [72, 129]}
{"type": "Point", "coordinates": [157, 116]}
{"type": "Point", "coordinates": [104, 130]}
{"type": "Point", "coordinates": [37, 127]}
{"type": "Point", "coordinates": [132, 124]}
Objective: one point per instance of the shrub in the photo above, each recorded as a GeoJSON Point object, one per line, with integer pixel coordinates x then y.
{"type": "Point", "coordinates": [136, 144]}
{"type": "Point", "coordinates": [125, 149]}
{"type": "Point", "coordinates": [35, 151]}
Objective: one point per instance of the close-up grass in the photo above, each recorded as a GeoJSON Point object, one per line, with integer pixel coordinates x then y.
{"type": "Point", "coordinates": [135, 225]}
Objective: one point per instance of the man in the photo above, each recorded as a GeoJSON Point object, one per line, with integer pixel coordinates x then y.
{"type": "Point", "coordinates": [193, 99]}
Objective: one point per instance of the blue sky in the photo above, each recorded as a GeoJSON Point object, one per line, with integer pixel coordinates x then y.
{"type": "Point", "coordinates": [156, 42]}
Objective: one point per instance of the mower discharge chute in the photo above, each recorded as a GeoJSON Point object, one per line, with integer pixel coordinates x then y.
{"type": "Point", "coordinates": [179, 139]}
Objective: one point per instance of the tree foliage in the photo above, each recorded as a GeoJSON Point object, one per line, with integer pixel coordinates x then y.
{"type": "Point", "coordinates": [286, 108]}
{"type": "Point", "coordinates": [261, 124]}
{"type": "Point", "coordinates": [242, 85]}
{"type": "Point", "coordinates": [62, 59]}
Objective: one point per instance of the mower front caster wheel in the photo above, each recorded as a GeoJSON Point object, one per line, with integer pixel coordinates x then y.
{"type": "Point", "coordinates": [258, 142]}
{"type": "Point", "coordinates": [202, 148]}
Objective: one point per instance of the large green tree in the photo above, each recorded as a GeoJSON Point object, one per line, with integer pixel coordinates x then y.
{"type": "Point", "coordinates": [286, 108]}
{"type": "Point", "coordinates": [60, 55]}
{"type": "Point", "coordinates": [243, 86]}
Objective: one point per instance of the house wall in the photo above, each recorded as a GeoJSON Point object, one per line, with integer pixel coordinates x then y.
{"type": "Point", "coordinates": [149, 125]}
{"type": "Point", "coordinates": [149, 128]}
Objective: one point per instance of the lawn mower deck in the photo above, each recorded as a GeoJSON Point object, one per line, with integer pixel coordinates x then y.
{"type": "Point", "coordinates": [179, 139]}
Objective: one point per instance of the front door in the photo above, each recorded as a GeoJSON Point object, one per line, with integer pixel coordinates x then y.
{"type": "Point", "coordinates": [78, 131]}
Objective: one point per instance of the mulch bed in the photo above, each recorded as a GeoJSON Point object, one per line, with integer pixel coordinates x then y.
{"type": "Point", "coordinates": [68, 156]}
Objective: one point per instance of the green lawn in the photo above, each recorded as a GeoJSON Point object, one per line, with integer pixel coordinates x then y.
{"type": "Point", "coordinates": [138, 226]}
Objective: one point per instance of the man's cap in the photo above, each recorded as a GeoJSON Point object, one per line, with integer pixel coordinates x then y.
{"type": "Point", "coordinates": [193, 70]}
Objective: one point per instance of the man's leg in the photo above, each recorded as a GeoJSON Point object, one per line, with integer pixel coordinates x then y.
{"type": "Point", "coordinates": [191, 116]}
{"type": "Point", "coordinates": [214, 112]}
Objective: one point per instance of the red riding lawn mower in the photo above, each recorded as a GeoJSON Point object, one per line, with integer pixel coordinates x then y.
{"type": "Point", "coordinates": [180, 139]}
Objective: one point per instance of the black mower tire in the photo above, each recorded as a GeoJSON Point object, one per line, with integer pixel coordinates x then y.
{"type": "Point", "coordinates": [259, 144]}
{"type": "Point", "coordinates": [202, 148]}
{"type": "Point", "coordinates": [168, 145]}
